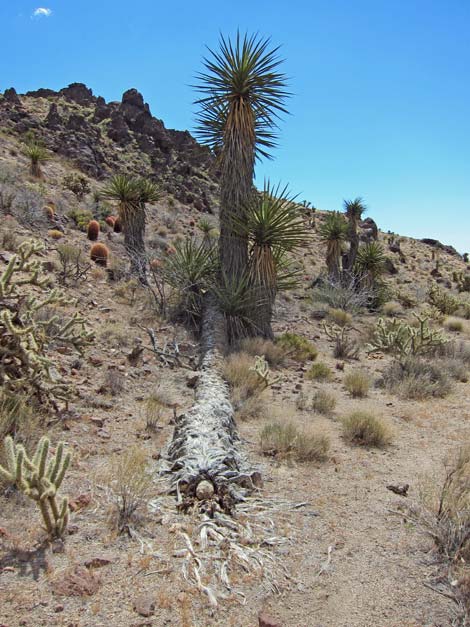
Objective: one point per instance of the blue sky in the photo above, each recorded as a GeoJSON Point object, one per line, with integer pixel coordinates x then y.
{"type": "Point", "coordinates": [381, 89]}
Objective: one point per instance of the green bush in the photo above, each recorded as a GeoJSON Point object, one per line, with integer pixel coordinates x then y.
{"type": "Point", "coordinates": [297, 347]}
{"type": "Point", "coordinates": [319, 372]}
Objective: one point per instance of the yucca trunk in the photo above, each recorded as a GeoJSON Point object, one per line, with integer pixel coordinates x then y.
{"type": "Point", "coordinates": [353, 238]}
{"type": "Point", "coordinates": [263, 274]}
{"type": "Point", "coordinates": [133, 226]}
{"type": "Point", "coordinates": [36, 169]}
{"type": "Point", "coordinates": [333, 256]}
{"type": "Point", "coordinates": [236, 187]}
{"type": "Point", "coordinates": [205, 445]}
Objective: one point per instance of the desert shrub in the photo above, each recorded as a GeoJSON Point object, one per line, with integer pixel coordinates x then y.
{"type": "Point", "coordinates": [7, 197]}
{"type": "Point", "coordinates": [454, 350]}
{"type": "Point", "coordinates": [345, 295]}
{"type": "Point", "coordinates": [81, 217]}
{"type": "Point", "coordinates": [16, 415]}
{"type": "Point", "coordinates": [190, 271]}
{"type": "Point", "coordinates": [454, 324]}
{"type": "Point", "coordinates": [344, 346]}
{"type": "Point", "coordinates": [401, 339]}
{"type": "Point", "coordinates": [455, 368]}
{"type": "Point", "coordinates": [28, 369]}
{"type": "Point", "coordinates": [297, 347]}
{"type": "Point", "coordinates": [127, 291]}
{"type": "Point", "coordinates": [339, 317]}
{"type": "Point", "coordinates": [9, 240]}
{"type": "Point", "coordinates": [253, 408]}
{"type": "Point", "coordinates": [392, 309]}
{"type": "Point", "coordinates": [129, 486]}
{"type": "Point", "coordinates": [323, 402]}
{"type": "Point", "coordinates": [287, 441]}
{"type": "Point", "coordinates": [27, 207]}
{"type": "Point", "coordinates": [365, 429]}
{"type": "Point", "coordinates": [115, 335]}
{"type": "Point", "coordinates": [55, 234]}
{"type": "Point", "coordinates": [274, 353]}
{"type": "Point", "coordinates": [416, 378]}
{"type": "Point", "coordinates": [243, 381]}
{"type": "Point", "coordinates": [38, 155]}
{"type": "Point", "coordinates": [162, 231]}
{"type": "Point", "coordinates": [73, 264]}
{"type": "Point", "coordinates": [357, 383]}
{"type": "Point", "coordinates": [319, 372]}
{"type": "Point", "coordinates": [153, 412]}
{"type": "Point", "coordinates": [76, 183]}
{"type": "Point", "coordinates": [236, 299]}
{"type": "Point", "coordinates": [444, 301]}
{"type": "Point", "coordinates": [114, 383]}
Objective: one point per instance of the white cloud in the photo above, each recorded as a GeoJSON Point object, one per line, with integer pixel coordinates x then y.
{"type": "Point", "coordinates": [42, 12]}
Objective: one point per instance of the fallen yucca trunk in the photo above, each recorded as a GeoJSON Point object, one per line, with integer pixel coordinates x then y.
{"type": "Point", "coordinates": [205, 454]}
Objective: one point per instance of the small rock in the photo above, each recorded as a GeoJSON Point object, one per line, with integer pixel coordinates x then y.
{"type": "Point", "coordinates": [98, 561]}
{"type": "Point", "coordinates": [95, 360]}
{"type": "Point", "coordinates": [104, 435]}
{"type": "Point", "coordinates": [265, 620]}
{"type": "Point", "coordinates": [192, 380]}
{"type": "Point", "coordinates": [204, 490]}
{"type": "Point", "coordinates": [144, 605]}
{"type": "Point", "coordinates": [98, 422]}
{"type": "Point", "coordinates": [58, 608]}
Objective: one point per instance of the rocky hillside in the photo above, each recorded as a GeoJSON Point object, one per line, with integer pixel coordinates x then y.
{"type": "Point", "coordinates": [101, 138]}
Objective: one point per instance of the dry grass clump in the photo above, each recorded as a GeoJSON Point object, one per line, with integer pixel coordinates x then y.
{"type": "Point", "coordinates": [297, 347]}
{"type": "Point", "coordinates": [273, 353]}
{"type": "Point", "coordinates": [454, 325]}
{"type": "Point", "coordinates": [55, 234]}
{"type": "Point", "coordinates": [153, 410]}
{"type": "Point", "coordinates": [392, 309]}
{"type": "Point", "coordinates": [365, 429]}
{"type": "Point", "coordinates": [253, 408]}
{"type": "Point", "coordinates": [443, 513]}
{"type": "Point", "coordinates": [129, 486]}
{"type": "Point", "coordinates": [115, 335]}
{"type": "Point", "coordinates": [339, 316]}
{"type": "Point", "coordinates": [287, 441]}
{"type": "Point", "coordinates": [319, 372]}
{"type": "Point", "coordinates": [357, 383]}
{"type": "Point", "coordinates": [244, 382]}
{"type": "Point", "coordinates": [417, 379]}
{"type": "Point", "coordinates": [323, 402]}
{"type": "Point", "coordinates": [114, 383]}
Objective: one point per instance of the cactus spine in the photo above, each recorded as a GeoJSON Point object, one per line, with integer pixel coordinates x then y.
{"type": "Point", "coordinates": [40, 480]}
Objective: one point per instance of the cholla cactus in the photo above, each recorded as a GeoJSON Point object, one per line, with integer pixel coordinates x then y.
{"type": "Point", "coordinates": [261, 368]}
{"type": "Point", "coordinates": [399, 338]}
{"type": "Point", "coordinates": [25, 338]}
{"type": "Point", "coordinates": [40, 480]}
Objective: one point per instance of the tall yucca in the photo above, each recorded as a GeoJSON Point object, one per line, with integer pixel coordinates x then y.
{"type": "Point", "coordinates": [370, 262]}
{"type": "Point", "coordinates": [274, 227]}
{"type": "Point", "coordinates": [132, 194]}
{"type": "Point", "coordinates": [37, 155]}
{"type": "Point", "coordinates": [353, 210]}
{"type": "Point", "coordinates": [333, 232]}
{"type": "Point", "coordinates": [243, 94]}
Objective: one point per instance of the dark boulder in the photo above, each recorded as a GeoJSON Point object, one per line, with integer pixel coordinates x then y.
{"type": "Point", "coordinates": [41, 93]}
{"type": "Point", "coordinates": [389, 266]}
{"type": "Point", "coordinates": [437, 244]}
{"type": "Point", "coordinates": [79, 93]}
{"type": "Point", "coordinates": [53, 119]}
{"type": "Point", "coordinates": [369, 230]}
{"type": "Point", "coordinates": [118, 130]}
{"type": "Point", "coordinates": [11, 96]}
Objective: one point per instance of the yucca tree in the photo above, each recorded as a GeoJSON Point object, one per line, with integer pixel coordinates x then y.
{"type": "Point", "coordinates": [353, 210]}
{"type": "Point", "coordinates": [274, 226]}
{"type": "Point", "coordinates": [333, 232]}
{"type": "Point", "coordinates": [370, 263]}
{"type": "Point", "coordinates": [37, 155]}
{"type": "Point", "coordinates": [243, 94]}
{"type": "Point", "coordinates": [132, 194]}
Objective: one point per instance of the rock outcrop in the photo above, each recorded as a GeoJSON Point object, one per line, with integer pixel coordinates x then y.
{"type": "Point", "coordinates": [103, 138]}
